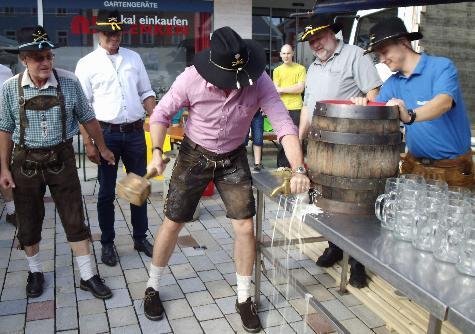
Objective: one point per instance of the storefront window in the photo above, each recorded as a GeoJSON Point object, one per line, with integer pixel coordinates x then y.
{"type": "Point", "coordinates": [166, 33]}
{"type": "Point", "coordinates": [272, 28]}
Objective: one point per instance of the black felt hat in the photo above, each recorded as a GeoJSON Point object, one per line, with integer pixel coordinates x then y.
{"type": "Point", "coordinates": [33, 39]}
{"type": "Point", "coordinates": [318, 23]}
{"type": "Point", "coordinates": [389, 29]}
{"type": "Point", "coordinates": [108, 20]}
{"type": "Point", "coordinates": [231, 62]}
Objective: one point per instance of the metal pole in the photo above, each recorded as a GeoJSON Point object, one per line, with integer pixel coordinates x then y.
{"type": "Point", "coordinates": [344, 274]}
{"type": "Point", "coordinates": [258, 259]}
{"type": "Point", "coordinates": [270, 40]}
{"type": "Point", "coordinates": [296, 36]}
{"type": "Point", "coordinates": [39, 5]}
{"type": "Point", "coordinates": [435, 325]}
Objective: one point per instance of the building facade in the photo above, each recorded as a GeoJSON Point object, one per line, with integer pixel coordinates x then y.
{"type": "Point", "coordinates": [166, 33]}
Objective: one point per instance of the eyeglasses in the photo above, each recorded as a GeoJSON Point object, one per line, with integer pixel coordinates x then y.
{"type": "Point", "coordinates": [41, 58]}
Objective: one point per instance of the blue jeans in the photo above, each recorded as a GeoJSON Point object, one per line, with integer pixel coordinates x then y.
{"type": "Point", "coordinates": [257, 127]}
{"type": "Point", "coordinates": [131, 148]}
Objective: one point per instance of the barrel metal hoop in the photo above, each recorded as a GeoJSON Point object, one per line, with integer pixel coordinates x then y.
{"type": "Point", "coordinates": [344, 207]}
{"type": "Point", "coordinates": [345, 138]}
{"type": "Point", "coordinates": [347, 183]}
{"type": "Point", "coordinates": [351, 111]}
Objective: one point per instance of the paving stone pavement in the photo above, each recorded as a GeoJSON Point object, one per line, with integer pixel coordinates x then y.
{"type": "Point", "coordinates": [198, 287]}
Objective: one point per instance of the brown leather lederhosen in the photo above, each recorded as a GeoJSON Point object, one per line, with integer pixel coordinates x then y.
{"type": "Point", "coordinates": [35, 168]}
{"type": "Point", "coordinates": [458, 171]}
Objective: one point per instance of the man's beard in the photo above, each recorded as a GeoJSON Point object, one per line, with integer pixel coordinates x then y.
{"type": "Point", "coordinates": [324, 54]}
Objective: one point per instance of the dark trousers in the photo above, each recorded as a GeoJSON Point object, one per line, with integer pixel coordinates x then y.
{"type": "Point", "coordinates": [131, 148]}
{"type": "Point", "coordinates": [281, 158]}
{"type": "Point", "coordinates": [35, 169]}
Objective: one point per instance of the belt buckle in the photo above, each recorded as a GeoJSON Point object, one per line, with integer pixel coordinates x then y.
{"type": "Point", "coordinates": [425, 161]}
{"type": "Point", "coordinates": [123, 127]}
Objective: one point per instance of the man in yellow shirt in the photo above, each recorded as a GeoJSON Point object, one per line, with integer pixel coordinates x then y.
{"type": "Point", "coordinates": [289, 80]}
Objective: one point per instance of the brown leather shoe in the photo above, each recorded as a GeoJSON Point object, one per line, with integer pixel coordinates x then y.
{"type": "Point", "coordinates": [11, 219]}
{"type": "Point", "coordinates": [152, 306]}
{"type": "Point", "coordinates": [249, 318]}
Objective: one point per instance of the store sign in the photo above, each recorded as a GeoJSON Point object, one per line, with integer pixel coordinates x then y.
{"type": "Point", "coordinates": [137, 25]}
{"type": "Point", "coordinates": [190, 6]}
{"type": "Point", "coordinates": [132, 4]}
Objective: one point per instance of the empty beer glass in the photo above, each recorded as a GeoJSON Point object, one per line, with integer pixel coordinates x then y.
{"type": "Point", "coordinates": [428, 220]}
{"type": "Point", "coordinates": [430, 215]}
{"type": "Point", "coordinates": [410, 204]}
{"type": "Point", "coordinates": [450, 232]}
{"type": "Point", "coordinates": [384, 206]}
{"type": "Point", "coordinates": [414, 177]}
{"type": "Point", "coordinates": [466, 262]}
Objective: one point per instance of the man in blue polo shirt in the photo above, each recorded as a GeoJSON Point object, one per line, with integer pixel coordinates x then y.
{"type": "Point", "coordinates": [427, 91]}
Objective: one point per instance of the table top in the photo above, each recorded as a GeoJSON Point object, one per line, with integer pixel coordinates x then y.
{"type": "Point", "coordinates": [435, 285]}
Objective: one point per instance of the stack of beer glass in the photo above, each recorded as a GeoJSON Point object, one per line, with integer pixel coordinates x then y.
{"type": "Point", "coordinates": [433, 216]}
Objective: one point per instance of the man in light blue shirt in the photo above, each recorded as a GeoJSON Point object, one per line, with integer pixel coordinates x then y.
{"type": "Point", "coordinates": [427, 91]}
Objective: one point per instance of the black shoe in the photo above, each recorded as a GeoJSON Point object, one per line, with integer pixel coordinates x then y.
{"type": "Point", "coordinates": [330, 256]}
{"type": "Point", "coordinates": [97, 287]}
{"type": "Point", "coordinates": [144, 246]}
{"type": "Point", "coordinates": [258, 167]}
{"type": "Point", "coordinates": [249, 318]}
{"type": "Point", "coordinates": [109, 256]}
{"type": "Point", "coordinates": [357, 275]}
{"type": "Point", "coordinates": [152, 306]}
{"type": "Point", "coordinates": [11, 219]}
{"type": "Point", "coordinates": [34, 286]}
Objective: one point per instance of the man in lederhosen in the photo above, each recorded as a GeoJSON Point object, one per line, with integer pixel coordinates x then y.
{"type": "Point", "coordinates": [41, 110]}
{"type": "Point", "coordinates": [427, 91]}
{"type": "Point", "coordinates": [223, 90]}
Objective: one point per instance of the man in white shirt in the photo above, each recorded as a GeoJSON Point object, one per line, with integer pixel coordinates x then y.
{"type": "Point", "coordinates": [6, 73]}
{"type": "Point", "coordinates": [116, 84]}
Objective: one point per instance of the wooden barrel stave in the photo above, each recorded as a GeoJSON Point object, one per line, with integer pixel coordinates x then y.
{"type": "Point", "coordinates": [350, 176]}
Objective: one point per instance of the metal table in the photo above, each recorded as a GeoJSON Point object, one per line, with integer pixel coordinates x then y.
{"type": "Point", "coordinates": [435, 285]}
{"type": "Point", "coordinates": [462, 316]}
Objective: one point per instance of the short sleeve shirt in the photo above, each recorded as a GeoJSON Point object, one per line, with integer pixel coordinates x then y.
{"type": "Point", "coordinates": [348, 73]}
{"type": "Point", "coordinates": [77, 110]}
{"type": "Point", "coordinates": [446, 136]}
{"type": "Point", "coordinates": [287, 76]}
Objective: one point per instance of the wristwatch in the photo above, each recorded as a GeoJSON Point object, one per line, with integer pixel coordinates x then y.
{"type": "Point", "coordinates": [157, 148]}
{"type": "Point", "coordinates": [300, 170]}
{"type": "Point", "coordinates": [413, 115]}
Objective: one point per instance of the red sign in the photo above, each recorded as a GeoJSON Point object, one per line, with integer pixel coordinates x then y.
{"type": "Point", "coordinates": [80, 25]}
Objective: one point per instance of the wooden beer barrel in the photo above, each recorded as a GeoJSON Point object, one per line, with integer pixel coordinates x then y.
{"type": "Point", "coordinates": [351, 151]}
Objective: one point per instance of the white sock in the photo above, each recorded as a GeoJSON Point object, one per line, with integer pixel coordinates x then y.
{"type": "Point", "coordinates": [85, 266]}
{"type": "Point", "coordinates": [10, 206]}
{"type": "Point", "coordinates": [243, 287]}
{"type": "Point", "coordinates": [34, 263]}
{"type": "Point", "coordinates": [154, 279]}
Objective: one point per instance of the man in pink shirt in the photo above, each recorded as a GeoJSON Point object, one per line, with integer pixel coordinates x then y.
{"type": "Point", "coordinates": [222, 91]}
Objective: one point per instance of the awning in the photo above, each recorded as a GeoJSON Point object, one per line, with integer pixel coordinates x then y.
{"type": "Point", "coordinates": [333, 6]}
